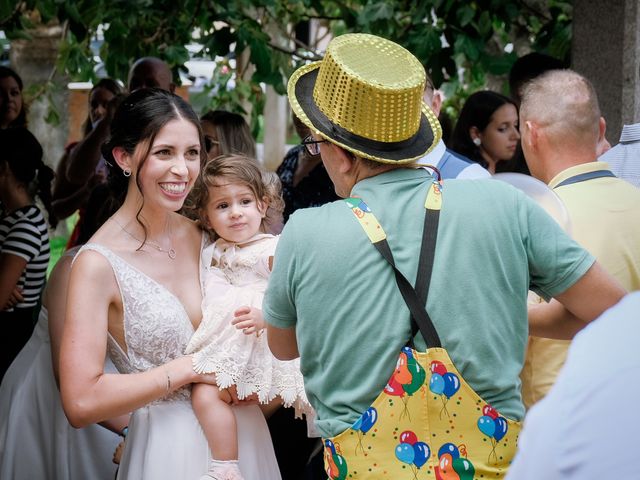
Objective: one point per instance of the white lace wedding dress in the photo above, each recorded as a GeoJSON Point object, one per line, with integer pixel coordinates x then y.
{"type": "Point", "coordinates": [236, 275]}
{"type": "Point", "coordinates": [165, 441]}
{"type": "Point", "coordinates": [36, 440]}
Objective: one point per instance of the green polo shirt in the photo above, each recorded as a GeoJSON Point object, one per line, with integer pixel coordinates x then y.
{"type": "Point", "coordinates": [330, 283]}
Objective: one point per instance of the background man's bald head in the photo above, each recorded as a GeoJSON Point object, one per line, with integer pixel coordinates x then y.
{"type": "Point", "coordinates": [150, 72]}
{"type": "Point", "coordinates": [565, 104]}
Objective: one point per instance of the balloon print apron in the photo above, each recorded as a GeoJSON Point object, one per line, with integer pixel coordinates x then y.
{"type": "Point", "coordinates": [428, 423]}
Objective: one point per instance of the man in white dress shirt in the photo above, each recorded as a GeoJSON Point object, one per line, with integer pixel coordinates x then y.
{"type": "Point", "coordinates": [450, 164]}
{"type": "Point", "coordinates": [583, 429]}
{"type": "Point", "coordinates": [624, 158]}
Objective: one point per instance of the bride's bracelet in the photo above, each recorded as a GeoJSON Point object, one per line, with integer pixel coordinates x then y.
{"type": "Point", "coordinates": [168, 381]}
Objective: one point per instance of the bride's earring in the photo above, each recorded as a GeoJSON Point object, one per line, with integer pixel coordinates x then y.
{"type": "Point", "coordinates": [477, 142]}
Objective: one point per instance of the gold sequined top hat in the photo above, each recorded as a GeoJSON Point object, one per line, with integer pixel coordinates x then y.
{"type": "Point", "coordinates": [365, 95]}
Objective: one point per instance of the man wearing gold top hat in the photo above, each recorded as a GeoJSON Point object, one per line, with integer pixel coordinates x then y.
{"type": "Point", "coordinates": [435, 393]}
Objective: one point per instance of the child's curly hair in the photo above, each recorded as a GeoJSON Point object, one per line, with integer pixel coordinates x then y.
{"type": "Point", "coordinates": [265, 186]}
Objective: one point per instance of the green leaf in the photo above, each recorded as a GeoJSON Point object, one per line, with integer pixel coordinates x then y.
{"type": "Point", "coordinates": [499, 65]}
{"type": "Point", "coordinates": [465, 45]}
{"type": "Point", "coordinates": [465, 14]}
{"type": "Point", "coordinates": [47, 9]}
{"type": "Point", "coordinates": [219, 43]}
{"type": "Point", "coordinates": [375, 11]}
{"type": "Point", "coordinates": [176, 54]}
{"type": "Point", "coordinates": [53, 117]}
{"type": "Point", "coordinates": [484, 24]}
{"type": "Point", "coordinates": [6, 9]}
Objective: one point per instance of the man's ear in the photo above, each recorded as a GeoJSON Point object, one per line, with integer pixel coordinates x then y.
{"type": "Point", "coordinates": [345, 159]}
{"type": "Point", "coordinates": [436, 102]}
{"type": "Point", "coordinates": [531, 134]}
{"type": "Point", "coordinates": [603, 144]}
{"type": "Point", "coordinates": [602, 128]}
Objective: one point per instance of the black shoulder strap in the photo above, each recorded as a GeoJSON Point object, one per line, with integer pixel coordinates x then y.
{"type": "Point", "coordinates": [414, 298]}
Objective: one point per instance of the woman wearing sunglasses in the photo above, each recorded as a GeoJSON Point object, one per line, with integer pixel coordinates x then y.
{"type": "Point", "coordinates": [227, 133]}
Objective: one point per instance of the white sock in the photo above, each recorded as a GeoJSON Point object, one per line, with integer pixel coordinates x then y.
{"type": "Point", "coordinates": [213, 463]}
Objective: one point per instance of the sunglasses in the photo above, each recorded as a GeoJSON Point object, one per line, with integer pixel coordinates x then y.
{"type": "Point", "coordinates": [209, 143]}
{"type": "Point", "coordinates": [312, 146]}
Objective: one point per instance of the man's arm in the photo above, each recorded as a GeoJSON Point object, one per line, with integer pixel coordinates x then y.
{"type": "Point", "coordinates": [584, 301]}
{"type": "Point", "coordinates": [282, 342]}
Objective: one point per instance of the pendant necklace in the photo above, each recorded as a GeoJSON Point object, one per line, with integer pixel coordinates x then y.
{"type": "Point", "coordinates": [171, 253]}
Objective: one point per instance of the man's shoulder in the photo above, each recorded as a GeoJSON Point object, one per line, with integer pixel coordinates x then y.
{"type": "Point", "coordinates": [451, 155]}
{"type": "Point", "coordinates": [454, 165]}
{"type": "Point", "coordinates": [314, 218]}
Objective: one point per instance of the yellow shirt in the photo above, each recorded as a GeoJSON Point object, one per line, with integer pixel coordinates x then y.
{"type": "Point", "coordinates": [605, 220]}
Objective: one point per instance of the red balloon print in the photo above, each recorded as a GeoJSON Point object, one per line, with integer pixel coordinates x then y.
{"type": "Point", "coordinates": [394, 388]}
{"type": "Point", "coordinates": [489, 411]}
{"type": "Point", "coordinates": [438, 367]}
{"type": "Point", "coordinates": [408, 437]}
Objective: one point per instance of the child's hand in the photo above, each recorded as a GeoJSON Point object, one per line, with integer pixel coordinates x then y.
{"type": "Point", "coordinates": [249, 320]}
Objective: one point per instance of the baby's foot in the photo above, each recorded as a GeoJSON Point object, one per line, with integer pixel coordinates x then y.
{"type": "Point", "coordinates": [223, 470]}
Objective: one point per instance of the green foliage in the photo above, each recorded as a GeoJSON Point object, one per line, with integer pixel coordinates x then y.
{"type": "Point", "coordinates": [461, 44]}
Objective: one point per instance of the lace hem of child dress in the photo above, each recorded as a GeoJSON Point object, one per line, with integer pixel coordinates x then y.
{"type": "Point", "coordinates": [247, 362]}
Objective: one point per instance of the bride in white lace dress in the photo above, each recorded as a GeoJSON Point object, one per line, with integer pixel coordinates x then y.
{"type": "Point", "coordinates": [135, 292]}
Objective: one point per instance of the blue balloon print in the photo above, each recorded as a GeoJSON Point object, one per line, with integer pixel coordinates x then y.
{"type": "Point", "coordinates": [407, 351]}
{"type": "Point", "coordinates": [421, 454]}
{"type": "Point", "coordinates": [451, 449]}
{"type": "Point", "coordinates": [501, 428]}
{"type": "Point", "coordinates": [368, 419]}
{"type": "Point", "coordinates": [405, 453]}
{"type": "Point", "coordinates": [487, 425]}
{"type": "Point", "coordinates": [329, 444]}
{"type": "Point", "coordinates": [436, 384]}
{"type": "Point", "coordinates": [451, 384]}
{"type": "Point", "coordinates": [356, 426]}
{"type": "Point", "coordinates": [364, 207]}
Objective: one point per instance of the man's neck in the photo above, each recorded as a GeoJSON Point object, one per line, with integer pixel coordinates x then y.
{"type": "Point", "coordinates": [560, 161]}
{"type": "Point", "coordinates": [362, 171]}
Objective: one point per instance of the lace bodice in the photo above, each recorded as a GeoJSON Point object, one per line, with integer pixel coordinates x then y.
{"type": "Point", "coordinates": [245, 264]}
{"type": "Point", "coordinates": [156, 325]}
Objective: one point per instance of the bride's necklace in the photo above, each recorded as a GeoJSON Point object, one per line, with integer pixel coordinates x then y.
{"type": "Point", "coordinates": [170, 252]}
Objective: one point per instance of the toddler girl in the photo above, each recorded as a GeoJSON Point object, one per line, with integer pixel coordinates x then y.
{"type": "Point", "coordinates": [238, 204]}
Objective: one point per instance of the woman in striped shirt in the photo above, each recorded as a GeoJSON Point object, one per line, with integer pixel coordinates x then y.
{"type": "Point", "coordinates": [24, 239]}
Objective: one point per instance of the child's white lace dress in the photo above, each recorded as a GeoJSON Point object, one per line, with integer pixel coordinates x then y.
{"type": "Point", "coordinates": [233, 276]}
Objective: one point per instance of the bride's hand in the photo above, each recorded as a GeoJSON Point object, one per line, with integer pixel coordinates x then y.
{"type": "Point", "coordinates": [249, 400]}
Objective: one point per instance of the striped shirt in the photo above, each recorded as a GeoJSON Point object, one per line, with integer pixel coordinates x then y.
{"type": "Point", "coordinates": [624, 158]}
{"type": "Point", "coordinates": [24, 233]}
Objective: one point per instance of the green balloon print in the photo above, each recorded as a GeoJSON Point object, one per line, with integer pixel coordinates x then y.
{"type": "Point", "coordinates": [418, 376]}
{"type": "Point", "coordinates": [342, 467]}
{"type": "Point", "coordinates": [464, 468]}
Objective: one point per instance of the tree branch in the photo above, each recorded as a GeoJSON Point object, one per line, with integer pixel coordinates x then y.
{"type": "Point", "coordinates": [19, 6]}
{"type": "Point", "coordinates": [294, 53]}
{"type": "Point", "coordinates": [159, 31]}
{"type": "Point", "coordinates": [535, 11]}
